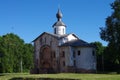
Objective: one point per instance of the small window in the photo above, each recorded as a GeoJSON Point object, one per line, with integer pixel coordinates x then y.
{"type": "Point", "coordinates": [74, 54]}
{"type": "Point", "coordinates": [63, 53]}
{"type": "Point", "coordinates": [93, 53]}
{"type": "Point", "coordinates": [79, 52]}
{"type": "Point", "coordinates": [63, 63]}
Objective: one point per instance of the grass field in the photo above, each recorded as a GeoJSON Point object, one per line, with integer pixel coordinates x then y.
{"type": "Point", "coordinates": [60, 76]}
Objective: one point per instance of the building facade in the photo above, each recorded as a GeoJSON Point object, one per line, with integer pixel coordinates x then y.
{"type": "Point", "coordinates": [61, 52]}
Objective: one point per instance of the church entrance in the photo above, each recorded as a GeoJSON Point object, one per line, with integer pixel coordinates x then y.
{"type": "Point", "coordinates": [46, 59]}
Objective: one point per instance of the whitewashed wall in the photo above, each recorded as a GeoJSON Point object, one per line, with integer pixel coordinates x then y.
{"type": "Point", "coordinates": [86, 60]}
{"type": "Point", "coordinates": [60, 30]}
{"type": "Point", "coordinates": [67, 58]}
{"type": "Point", "coordinates": [70, 37]}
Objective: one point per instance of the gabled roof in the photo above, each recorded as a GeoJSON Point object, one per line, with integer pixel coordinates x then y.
{"type": "Point", "coordinates": [55, 35]}
{"type": "Point", "coordinates": [77, 43]}
{"type": "Point", "coordinates": [74, 43]}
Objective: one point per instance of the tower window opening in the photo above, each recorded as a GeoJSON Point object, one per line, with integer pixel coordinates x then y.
{"type": "Point", "coordinates": [55, 31]}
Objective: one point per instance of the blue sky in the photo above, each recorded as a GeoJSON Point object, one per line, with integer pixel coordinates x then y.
{"type": "Point", "coordinates": [29, 18]}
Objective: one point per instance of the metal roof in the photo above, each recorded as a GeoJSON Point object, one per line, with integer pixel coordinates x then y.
{"type": "Point", "coordinates": [59, 23]}
{"type": "Point", "coordinates": [77, 43]}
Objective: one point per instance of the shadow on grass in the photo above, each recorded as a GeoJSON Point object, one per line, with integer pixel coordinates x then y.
{"type": "Point", "coordinates": [18, 78]}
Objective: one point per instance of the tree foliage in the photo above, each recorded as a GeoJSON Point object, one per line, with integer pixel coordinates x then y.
{"type": "Point", "coordinates": [13, 51]}
{"type": "Point", "coordinates": [99, 47]}
{"type": "Point", "coordinates": [111, 33]}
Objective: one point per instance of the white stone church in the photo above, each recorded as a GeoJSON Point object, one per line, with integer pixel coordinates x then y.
{"type": "Point", "coordinates": [60, 52]}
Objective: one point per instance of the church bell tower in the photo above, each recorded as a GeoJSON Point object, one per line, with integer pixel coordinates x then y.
{"type": "Point", "coordinates": [59, 26]}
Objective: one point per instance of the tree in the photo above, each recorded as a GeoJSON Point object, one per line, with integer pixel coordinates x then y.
{"type": "Point", "coordinates": [111, 33]}
{"type": "Point", "coordinates": [99, 47]}
{"type": "Point", "coordinates": [13, 51]}
{"type": "Point", "coordinates": [11, 48]}
{"type": "Point", "coordinates": [28, 57]}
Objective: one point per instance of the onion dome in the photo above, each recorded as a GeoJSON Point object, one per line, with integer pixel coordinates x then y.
{"type": "Point", "coordinates": [59, 22]}
{"type": "Point", "coordinates": [59, 15]}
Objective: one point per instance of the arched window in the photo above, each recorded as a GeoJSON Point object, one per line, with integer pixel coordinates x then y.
{"type": "Point", "coordinates": [63, 53]}
{"type": "Point", "coordinates": [63, 63]}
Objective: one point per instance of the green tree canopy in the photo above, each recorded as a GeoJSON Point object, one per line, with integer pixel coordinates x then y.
{"type": "Point", "coordinates": [99, 47]}
{"type": "Point", "coordinates": [111, 33]}
{"type": "Point", "coordinates": [13, 51]}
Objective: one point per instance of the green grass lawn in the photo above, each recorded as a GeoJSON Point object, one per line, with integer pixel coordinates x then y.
{"type": "Point", "coordinates": [26, 76]}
